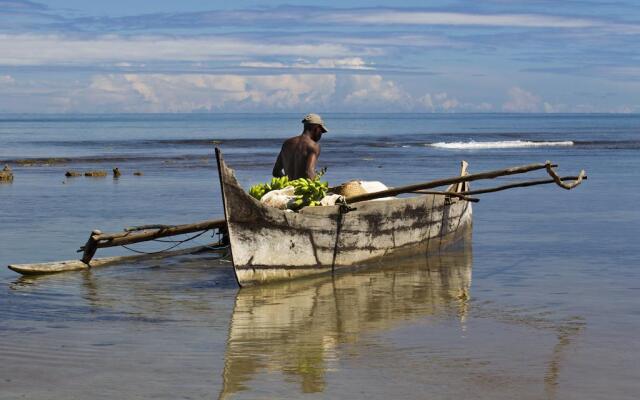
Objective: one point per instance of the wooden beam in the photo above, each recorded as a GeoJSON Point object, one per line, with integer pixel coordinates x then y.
{"type": "Point", "coordinates": [452, 194]}
{"type": "Point", "coordinates": [519, 184]}
{"type": "Point", "coordinates": [448, 181]}
{"type": "Point", "coordinates": [78, 265]}
{"type": "Point", "coordinates": [145, 227]}
{"type": "Point", "coordinates": [90, 248]}
{"type": "Point", "coordinates": [130, 237]}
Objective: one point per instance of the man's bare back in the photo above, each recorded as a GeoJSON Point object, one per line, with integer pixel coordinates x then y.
{"type": "Point", "coordinates": [299, 154]}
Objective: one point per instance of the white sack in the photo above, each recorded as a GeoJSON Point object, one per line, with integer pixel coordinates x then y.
{"type": "Point", "coordinates": [279, 198]}
{"type": "Point", "coordinates": [373, 186]}
{"type": "Point", "coordinates": [331, 200]}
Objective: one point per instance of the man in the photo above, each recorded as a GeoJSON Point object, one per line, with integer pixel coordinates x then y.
{"type": "Point", "coordinates": [299, 154]}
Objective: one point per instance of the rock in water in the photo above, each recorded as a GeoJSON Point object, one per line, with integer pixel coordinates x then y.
{"type": "Point", "coordinates": [71, 174]}
{"type": "Point", "coordinates": [6, 175]}
{"type": "Point", "coordinates": [96, 174]}
{"type": "Point", "coordinates": [116, 173]}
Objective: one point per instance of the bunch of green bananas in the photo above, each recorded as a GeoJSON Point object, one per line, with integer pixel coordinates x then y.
{"type": "Point", "coordinates": [279, 183]}
{"type": "Point", "coordinates": [259, 190]}
{"type": "Point", "coordinates": [309, 192]}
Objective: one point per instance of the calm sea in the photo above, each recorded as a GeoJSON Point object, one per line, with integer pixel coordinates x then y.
{"type": "Point", "coordinates": [545, 305]}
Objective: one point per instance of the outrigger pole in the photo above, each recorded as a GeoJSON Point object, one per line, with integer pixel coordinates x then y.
{"type": "Point", "coordinates": [128, 236]}
{"type": "Point", "coordinates": [144, 233]}
{"type": "Point", "coordinates": [469, 178]}
{"type": "Point", "coordinates": [98, 240]}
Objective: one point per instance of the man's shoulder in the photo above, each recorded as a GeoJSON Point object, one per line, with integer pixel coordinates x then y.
{"type": "Point", "coordinates": [315, 146]}
{"type": "Point", "coordinates": [309, 144]}
{"type": "Point", "coordinates": [300, 142]}
{"type": "Point", "coordinates": [300, 139]}
{"type": "Point", "coordinates": [293, 139]}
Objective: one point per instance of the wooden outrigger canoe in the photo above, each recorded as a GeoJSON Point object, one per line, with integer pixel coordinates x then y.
{"type": "Point", "coordinates": [269, 244]}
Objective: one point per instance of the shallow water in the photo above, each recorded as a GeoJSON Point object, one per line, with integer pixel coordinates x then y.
{"type": "Point", "coordinates": [544, 306]}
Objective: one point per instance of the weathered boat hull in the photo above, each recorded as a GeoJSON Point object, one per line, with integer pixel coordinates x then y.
{"type": "Point", "coordinates": [269, 244]}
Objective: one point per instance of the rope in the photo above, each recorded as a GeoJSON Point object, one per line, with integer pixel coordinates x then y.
{"type": "Point", "coordinates": [177, 243]}
{"type": "Point", "coordinates": [215, 247]}
{"type": "Point", "coordinates": [342, 210]}
{"type": "Point", "coordinates": [166, 241]}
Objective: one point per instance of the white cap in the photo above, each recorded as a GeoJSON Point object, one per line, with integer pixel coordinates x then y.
{"type": "Point", "coordinates": [314, 119]}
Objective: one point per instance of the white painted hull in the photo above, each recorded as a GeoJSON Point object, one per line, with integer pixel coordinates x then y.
{"type": "Point", "coordinates": [270, 244]}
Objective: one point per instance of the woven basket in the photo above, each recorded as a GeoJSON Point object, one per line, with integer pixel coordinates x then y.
{"type": "Point", "coordinates": [348, 189]}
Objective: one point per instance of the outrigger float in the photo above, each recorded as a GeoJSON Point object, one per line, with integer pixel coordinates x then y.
{"type": "Point", "coordinates": [268, 244]}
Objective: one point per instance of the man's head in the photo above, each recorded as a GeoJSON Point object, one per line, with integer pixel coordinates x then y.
{"type": "Point", "coordinates": [314, 125]}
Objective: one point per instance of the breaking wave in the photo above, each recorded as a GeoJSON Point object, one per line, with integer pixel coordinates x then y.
{"type": "Point", "coordinates": [507, 144]}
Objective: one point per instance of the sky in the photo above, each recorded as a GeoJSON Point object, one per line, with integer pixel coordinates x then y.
{"type": "Point", "coordinates": [537, 56]}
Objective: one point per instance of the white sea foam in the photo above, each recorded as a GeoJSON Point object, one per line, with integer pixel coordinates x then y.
{"type": "Point", "coordinates": [508, 144]}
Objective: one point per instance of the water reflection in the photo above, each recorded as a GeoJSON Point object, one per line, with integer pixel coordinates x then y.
{"type": "Point", "coordinates": [183, 324]}
{"type": "Point", "coordinates": [294, 328]}
{"type": "Point", "coordinates": [182, 287]}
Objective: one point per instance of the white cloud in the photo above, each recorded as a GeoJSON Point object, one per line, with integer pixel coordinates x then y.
{"type": "Point", "coordinates": [290, 91]}
{"type": "Point", "coordinates": [133, 92]}
{"type": "Point", "coordinates": [550, 108]}
{"type": "Point", "coordinates": [145, 89]}
{"type": "Point", "coordinates": [521, 101]}
{"type": "Point", "coordinates": [450, 104]}
{"type": "Point", "coordinates": [283, 16]}
{"type": "Point", "coordinates": [443, 102]}
{"type": "Point", "coordinates": [401, 40]}
{"type": "Point", "coordinates": [33, 49]}
{"type": "Point", "coordinates": [625, 109]}
{"type": "Point", "coordinates": [483, 107]}
{"type": "Point", "coordinates": [264, 64]}
{"type": "Point", "coordinates": [230, 92]}
{"type": "Point", "coordinates": [347, 63]}
{"type": "Point", "coordinates": [200, 92]}
{"type": "Point", "coordinates": [390, 17]}
{"type": "Point", "coordinates": [192, 92]}
{"type": "Point", "coordinates": [427, 102]}
{"type": "Point", "coordinates": [374, 91]}
{"type": "Point", "coordinates": [350, 63]}
{"type": "Point", "coordinates": [128, 65]}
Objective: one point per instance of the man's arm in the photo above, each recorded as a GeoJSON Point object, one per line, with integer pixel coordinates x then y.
{"type": "Point", "coordinates": [278, 169]}
{"type": "Point", "coordinates": [312, 159]}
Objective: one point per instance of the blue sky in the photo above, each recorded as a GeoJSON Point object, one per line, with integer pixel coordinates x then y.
{"type": "Point", "coordinates": [370, 56]}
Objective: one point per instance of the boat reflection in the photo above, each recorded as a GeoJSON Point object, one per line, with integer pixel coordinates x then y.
{"type": "Point", "coordinates": [294, 328]}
